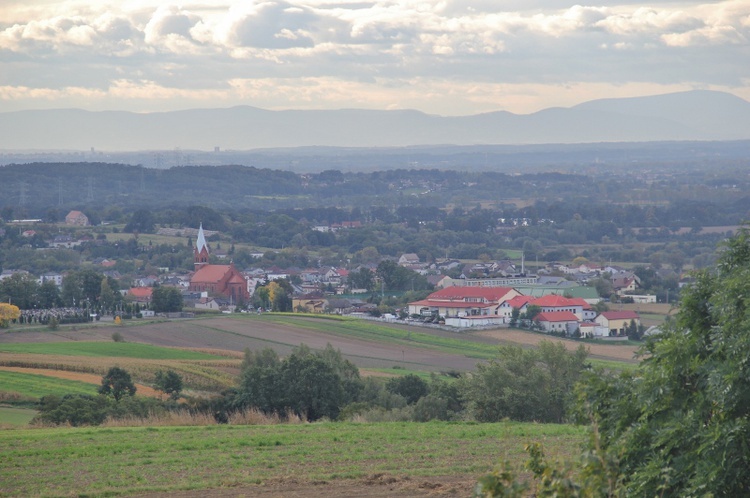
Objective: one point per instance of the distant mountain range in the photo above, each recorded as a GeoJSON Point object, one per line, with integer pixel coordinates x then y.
{"type": "Point", "coordinates": [693, 115]}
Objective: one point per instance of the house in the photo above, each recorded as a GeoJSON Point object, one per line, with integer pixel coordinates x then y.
{"type": "Point", "coordinates": [408, 259]}
{"type": "Point", "coordinates": [313, 302]}
{"type": "Point", "coordinates": [557, 321]}
{"type": "Point", "coordinates": [9, 273]}
{"type": "Point", "coordinates": [617, 322]}
{"type": "Point", "coordinates": [463, 301]}
{"type": "Point", "coordinates": [76, 218]}
{"type": "Point", "coordinates": [223, 280]}
{"type": "Point", "coordinates": [556, 303]}
{"type": "Point", "coordinates": [207, 303]}
{"type": "Point", "coordinates": [141, 294]}
{"type": "Point", "coordinates": [51, 277]}
{"type": "Point", "coordinates": [521, 302]}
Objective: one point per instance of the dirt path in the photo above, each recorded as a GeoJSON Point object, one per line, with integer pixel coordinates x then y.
{"type": "Point", "coordinates": [80, 377]}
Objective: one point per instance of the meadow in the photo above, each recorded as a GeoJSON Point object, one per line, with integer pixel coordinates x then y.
{"type": "Point", "coordinates": [136, 460]}
{"type": "Point", "coordinates": [325, 458]}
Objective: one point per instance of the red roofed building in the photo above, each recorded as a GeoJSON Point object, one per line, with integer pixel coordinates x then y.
{"type": "Point", "coordinates": [224, 280]}
{"type": "Point", "coordinates": [553, 303]}
{"type": "Point", "coordinates": [617, 322]}
{"type": "Point", "coordinates": [141, 294]}
{"type": "Point", "coordinates": [76, 218]}
{"type": "Point", "coordinates": [557, 321]}
{"type": "Point", "coordinates": [463, 301]}
{"type": "Point", "coordinates": [506, 307]}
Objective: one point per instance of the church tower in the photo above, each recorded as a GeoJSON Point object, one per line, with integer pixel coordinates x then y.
{"type": "Point", "coordinates": [200, 251]}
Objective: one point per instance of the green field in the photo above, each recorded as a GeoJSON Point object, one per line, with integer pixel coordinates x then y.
{"type": "Point", "coordinates": [15, 416]}
{"type": "Point", "coordinates": [112, 461]}
{"type": "Point", "coordinates": [354, 327]}
{"type": "Point", "coordinates": [36, 386]}
{"type": "Point", "coordinates": [109, 349]}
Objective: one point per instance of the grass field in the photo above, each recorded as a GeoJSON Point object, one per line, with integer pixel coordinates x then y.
{"type": "Point", "coordinates": [121, 461]}
{"type": "Point", "coordinates": [11, 415]}
{"type": "Point", "coordinates": [110, 349]}
{"type": "Point", "coordinates": [352, 327]}
{"type": "Point", "coordinates": [37, 386]}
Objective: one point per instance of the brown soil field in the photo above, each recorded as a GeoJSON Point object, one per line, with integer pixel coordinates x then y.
{"type": "Point", "coordinates": [619, 352]}
{"type": "Point", "coordinates": [80, 377]}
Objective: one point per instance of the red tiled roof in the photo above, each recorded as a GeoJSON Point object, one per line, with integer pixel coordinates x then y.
{"type": "Point", "coordinates": [519, 301]}
{"type": "Point", "coordinates": [580, 301]}
{"type": "Point", "coordinates": [556, 316]}
{"type": "Point", "coordinates": [455, 292]}
{"type": "Point", "coordinates": [620, 315]}
{"type": "Point", "coordinates": [450, 304]}
{"type": "Point", "coordinates": [141, 291]}
{"type": "Point", "coordinates": [210, 273]}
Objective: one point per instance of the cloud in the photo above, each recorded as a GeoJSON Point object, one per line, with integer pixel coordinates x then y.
{"type": "Point", "coordinates": [348, 53]}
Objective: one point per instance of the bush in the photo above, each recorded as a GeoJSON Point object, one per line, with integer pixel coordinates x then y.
{"type": "Point", "coordinates": [73, 409]}
{"type": "Point", "coordinates": [117, 337]}
{"type": "Point", "coordinates": [410, 386]}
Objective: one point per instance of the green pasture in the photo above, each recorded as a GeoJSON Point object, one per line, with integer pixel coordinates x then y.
{"type": "Point", "coordinates": [352, 327]}
{"type": "Point", "coordinates": [36, 386]}
{"type": "Point", "coordinates": [109, 349]}
{"type": "Point", "coordinates": [117, 461]}
{"type": "Point", "coordinates": [10, 415]}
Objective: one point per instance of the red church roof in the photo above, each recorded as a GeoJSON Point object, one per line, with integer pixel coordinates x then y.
{"type": "Point", "coordinates": [210, 273]}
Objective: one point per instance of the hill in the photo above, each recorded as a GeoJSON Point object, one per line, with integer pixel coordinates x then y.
{"type": "Point", "coordinates": [694, 115]}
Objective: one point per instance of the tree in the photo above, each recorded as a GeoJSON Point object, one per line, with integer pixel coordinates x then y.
{"type": "Point", "coordinates": [312, 385]}
{"type": "Point", "coordinates": [525, 384]}
{"type": "Point", "coordinates": [142, 221]}
{"type": "Point", "coordinates": [362, 279]}
{"type": "Point", "coordinates": [410, 386]}
{"type": "Point", "coordinates": [8, 313]}
{"type": "Point", "coordinates": [680, 423]}
{"type": "Point", "coordinates": [166, 299]}
{"type": "Point", "coordinates": [169, 382]}
{"type": "Point", "coordinates": [117, 383]}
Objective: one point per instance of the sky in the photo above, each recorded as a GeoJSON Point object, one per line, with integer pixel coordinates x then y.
{"type": "Point", "coordinates": [450, 57]}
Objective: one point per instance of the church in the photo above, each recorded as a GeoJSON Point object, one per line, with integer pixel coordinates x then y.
{"type": "Point", "coordinates": [224, 280]}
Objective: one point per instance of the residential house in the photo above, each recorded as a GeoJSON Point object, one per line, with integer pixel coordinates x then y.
{"type": "Point", "coordinates": [313, 302]}
{"type": "Point", "coordinates": [506, 307]}
{"type": "Point", "coordinates": [408, 259]}
{"type": "Point", "coordinates": [141, 294]}
{"type": "Point", "coordinates": [617, 322]}
{"type": "Point", "coordinates": [557, 321]}
{"type": "Point", "coordinates": [207, 303]}
{"type": "Point", "coordinates": [76, 218]}
{"type": "Point", "coordinates": [51, 277]}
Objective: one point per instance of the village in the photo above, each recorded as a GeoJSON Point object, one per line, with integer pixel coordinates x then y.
{"type": "Point", "coordinates": [555, 298]}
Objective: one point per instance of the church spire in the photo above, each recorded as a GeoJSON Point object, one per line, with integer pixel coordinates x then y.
{"type": "Point", "coordinates": [201, 249]}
